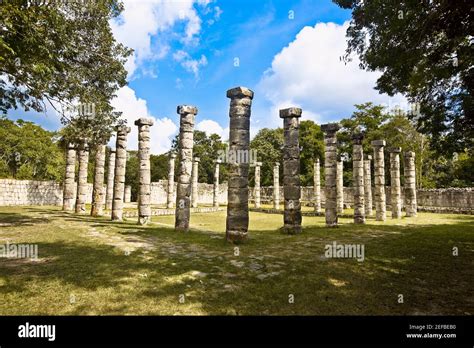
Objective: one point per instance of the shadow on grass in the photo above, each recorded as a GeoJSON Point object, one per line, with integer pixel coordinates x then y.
{"type": "Point", "coordinates": [17, 219]}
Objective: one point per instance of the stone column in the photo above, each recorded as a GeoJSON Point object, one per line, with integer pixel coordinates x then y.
{"type": "Point", "coordinates": [144, 179]}
{"type": "Point", "coordinates": [276, 186]}
{"type": "Point", "coordinates": [396, 194]}
{"type": "Point", "coordinates": [340, 186]}
{"type": "Point", "coordinates": [194, 180]}
{"type": "Point", "coordinates": [258, 166]}
{"type": "Point", "coordinates": [317, 186]}
{"type": "Point", "coordinates": [83, 158]}
{"type": "Point", "coordinates": [127, 194]}
{"type": "Point", "coordinates": [330, 172]}
{"type": "Point", "coordinates": [410, 184]}
{"type": "Point", "coordinates": [69, 183]}
{"type": "Point", "coordinates": [186, 142]}
{"type": "Point", "coordinates": [110, 181]}
{"type": "Point", "coordinates": [97, 208]}
{"type": "Point", "coordinates": [170, 193]}
{"type": "Point", "coordinates": [119, 178]}
{"type": "Point", "coordinates": [215, 197]}
{"type": "Point", "coordinates": [291, 170]}
{"type": "Point", "coordinates": [239, 139]}
{"type": "Point", "coordinates": [358, 177]}
{"type": "Point", "coordinates": [379, 180]}
{"type": "Point", "coordinates": [368, 185]}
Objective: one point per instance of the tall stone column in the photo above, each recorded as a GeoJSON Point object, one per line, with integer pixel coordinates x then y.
{"type": "Point", "coordinates": [144, 179]}
{"type": "Point", "coordinates": [258, 166]}
{"type": "Point", "coordinates": [110, 181]}
{"type": "Point", "coordinates": [368, 185]}
{"type": "Point", "coordinates": [410, 184]}
{"type": "Point", "coordinates": [215, 198]}
{"type": "Point", "coordinates": [97, 208]}
{"type": "Point", "coordinates": [340, 186]}
{"type": "Point", "coordinates": [276, 186]}
{"type": "Point", "coordinates": [291, 170]}
{"type": "Point", "coordinates": [358, 177]}
{"type": "Point", "coordinates": [127, 194]}
{"type": "Point", "coordinates": [379, 180]}
{"type": "Point", "coordinates": [239, 139]}
{"type": "Point", "coordinates": [396, 194]}
{"type": "Point", "coordinates": [317, 186]}
{"type": "Point", "coordinates": [120, 167]}
{"type": "Point", "coordinates": [194, 179]}
{"type": "Point", "coordinates": [330, 172]}
{"type": "Point", "coordinates": [83, 158]}
{"type": "Point", "coordinates": [170, 193]}
{"type": "Point", "coordinates": [69, 183]}
{"type": "Point", "coordinates": [185, 145]}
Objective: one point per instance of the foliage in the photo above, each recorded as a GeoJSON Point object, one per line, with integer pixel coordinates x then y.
{"type": "Point", "coordinates": [27, 151]}
{"type": "Point", "coordinates": [424, 50]}
{"type": "Point", "coordinates": [268, 144]}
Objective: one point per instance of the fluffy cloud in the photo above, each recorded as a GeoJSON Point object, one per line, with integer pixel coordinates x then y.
{"type": "Point", "coordinates": [141, 20]}
{"type": "Point", "coordinates": [309, 73]}
{"type": "Point", "coordinates": [212, 127]}
{"type": "Point", "coordinates": [189, 64]}
{"type": "Point", "coordinates": [162, 132]}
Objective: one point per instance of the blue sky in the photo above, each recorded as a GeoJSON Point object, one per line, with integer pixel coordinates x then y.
{"type": "Point", "coordinates": [193, 51]}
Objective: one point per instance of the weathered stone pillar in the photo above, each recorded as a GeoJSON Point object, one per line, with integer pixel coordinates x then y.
{"type": "Point", "coordinates": [410, 184]}
{"type": "Point", "coordinates": [170, 193]}
{"type": "Point", "coordinates": [379, 180]}
{"type": "Point", "coordinates": [358, 177]}
{"type": "Point", "coordinates": [127, 194]}
{"type": "Point", "coordinates": [330, 172]}
{"type": "Point", "coordinates": [317, 186]}
{"type": "Point", "coordinates": [186, 142]}
{"type": "Point", "coordinates": [215, 197]}
{"type": "Point", "coordinates": [340, 186]}
{"type": "Point", "coordinates": [276, 186]}
{"type": "Point", "coordinates": [194, 180]}
{"type": "Point", "coordinates": [258, 166]}
{"type": "Point", "coordinates": [239, 139]}
{"type": "Point", "coordinates": [69, 183]}
{"type": "Point", "coordinates": [83, 158]}
{"type": "Point", "coordinates": [120, 167]}
{"type": "Point", "coordinates": [144, 179]}
{"type": "Point", "coordinates": [97, 208]}
{"type": "Point", "coordinates": [396, 194]}
{"type": "Point", "coordinates": [110, 181]}
{"type": "Point", "coordinates": [368, 185]}
{"type": "Point", "coordinates": [291, 170]}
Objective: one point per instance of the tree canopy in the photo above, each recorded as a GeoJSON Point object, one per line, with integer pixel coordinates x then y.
{"type": "Point", "coordinates": [424, 50]}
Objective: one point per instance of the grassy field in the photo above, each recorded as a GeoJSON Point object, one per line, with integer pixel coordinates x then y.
{"type": "Point", "coordinates": [94, 266]}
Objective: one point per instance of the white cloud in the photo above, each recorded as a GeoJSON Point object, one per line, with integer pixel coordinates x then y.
{"type": "Point", "coordinates": [308, 73]}
{"type": "Point", "coordinates": [141, 20]}
{"type": "Point", "coordinates": [189, 64]}
{"type": "Point", "coordinates": [212, 127]}
{"type": "Point", "coordinates": [162, 132]}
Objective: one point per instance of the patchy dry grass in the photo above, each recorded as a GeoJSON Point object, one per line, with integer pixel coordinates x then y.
{"type": "Point", "coordinates": [94, 266]}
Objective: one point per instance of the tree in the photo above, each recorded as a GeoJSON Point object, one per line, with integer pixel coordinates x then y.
{"type": "Point", "coordinates": [268, 144]}
{"type": "Point", "coordinates": [424, 50]}
{"type": "Point", "coordinates": [311, 140]}
{"type": "Point", "coordinates": [27, 151]}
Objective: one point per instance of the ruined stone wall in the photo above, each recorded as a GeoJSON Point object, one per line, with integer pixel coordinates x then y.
{"type": "Point", "coordinates": [32, 192]}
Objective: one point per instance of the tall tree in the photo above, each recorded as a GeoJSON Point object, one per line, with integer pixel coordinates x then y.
{"type": "Point", "coordinates": [425, 51]}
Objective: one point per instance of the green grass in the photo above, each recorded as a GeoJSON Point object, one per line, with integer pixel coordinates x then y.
{"type": "Point", "coordinates": [123, 268]}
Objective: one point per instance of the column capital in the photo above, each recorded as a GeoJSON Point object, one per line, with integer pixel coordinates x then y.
{"type": "Point", "coordinates": [196, 159]}
{"type": "Point", "coordinates": [330, 128]}
{"type": "Point", "coordinates": [218, 161]}
{"type": "Point", "coordinates": [277, 164]}
{"type": "Point", "coordinates": [239, 92]}
{"type": "Point", "coordinates": [378, 143]}
{"type": "Point", "coordinates": [173, 155]}
{"type": "Point", "coordinates": [394, 149]}
{"type": "Point", "coordinates": [368, 157]}
{"type": "Point", "coordinates": [144, 121]}
{"type": "Point", "coordinates": [409, 154]}
{"type": "Point", "coordinates": [186, 109]}
{"type": "Point", "coordinates": [290, 112]}
{"type": "Point", "coordinates": [123, 129]}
